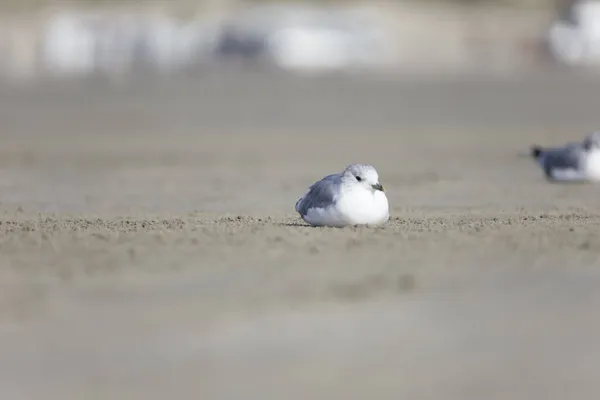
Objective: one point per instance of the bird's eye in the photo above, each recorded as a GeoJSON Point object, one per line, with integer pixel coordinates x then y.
{"type": "Point", "coordinates": [358, 178]}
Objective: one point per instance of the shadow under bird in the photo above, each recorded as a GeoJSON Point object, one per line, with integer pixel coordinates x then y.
{"type": "Point", "coordinates": [352, 197]}
{"type": "Point", "coordinates": [574, 162]}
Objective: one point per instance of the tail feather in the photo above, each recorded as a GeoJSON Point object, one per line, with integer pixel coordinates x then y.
{"type": "Point", "coordinates": [299, 204]}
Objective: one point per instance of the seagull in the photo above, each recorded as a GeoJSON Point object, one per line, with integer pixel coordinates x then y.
{"type": "Point", "coordinates": [574, 162]}
{"type": "Point", "coordinates": [352, 197]}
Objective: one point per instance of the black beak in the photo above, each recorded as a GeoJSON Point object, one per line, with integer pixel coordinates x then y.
{"type": "Point", "coordinates": [536, 151]}
{"type": "Point", "coordinates": [378, 187]}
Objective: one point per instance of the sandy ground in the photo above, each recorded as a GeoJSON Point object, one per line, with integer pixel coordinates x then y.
{"type": "Point", "coordinates": [149, 247]}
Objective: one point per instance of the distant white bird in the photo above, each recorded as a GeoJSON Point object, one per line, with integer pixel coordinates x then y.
{"type": "Point", "coordinates": [575, 162]}
{"type": "Point", "coordinates": [352, 197]}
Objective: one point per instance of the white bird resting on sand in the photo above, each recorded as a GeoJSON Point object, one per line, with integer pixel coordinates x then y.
{"type": "Point", "coordinates": [352, 197]}
{"type": "Point", "coordinates": [574, 162]}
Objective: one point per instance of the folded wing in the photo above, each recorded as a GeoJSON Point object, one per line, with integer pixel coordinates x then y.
{"type": "Point", "coordinates": [562, 163]}
{"type": "Point", "coordinates": [321, 194]}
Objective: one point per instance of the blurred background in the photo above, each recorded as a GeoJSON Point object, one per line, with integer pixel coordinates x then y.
{"type": "Point", "coordinates": [47, 39]}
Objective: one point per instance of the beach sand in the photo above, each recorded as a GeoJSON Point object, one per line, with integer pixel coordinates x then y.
{"type": "Point", "coordinates": [149, 246]}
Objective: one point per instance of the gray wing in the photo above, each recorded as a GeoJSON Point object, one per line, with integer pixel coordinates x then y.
{"type": "Point", "coordinates": [320, 194]}
{"type": "Point", "coordinates": [561, 158]}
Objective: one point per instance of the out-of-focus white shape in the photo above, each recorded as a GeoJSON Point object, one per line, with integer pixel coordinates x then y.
{"type": "Point", "coordinates": [295, 37]}
{"type": "Point", "coordinates": [303, 37]}
{"type": "Point", "coordinates": [117, 42]}
{"type": "Point", "coordinates": [304, 47]}
{"type": "Point", "coordinates": [577, 42]}
{"type": "Point", "coordinates": [566, 43]}
{"type": "Point", "coordinates": [69, 45]}
{"type": "Point", "coordinates": [310, 47]}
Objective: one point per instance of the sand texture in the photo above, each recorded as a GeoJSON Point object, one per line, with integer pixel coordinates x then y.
{"type": "Point", "coordinates": [149, 247]}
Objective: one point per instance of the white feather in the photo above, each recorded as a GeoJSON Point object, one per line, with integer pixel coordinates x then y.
{"type": "Point", "coordinates": [341, 200]}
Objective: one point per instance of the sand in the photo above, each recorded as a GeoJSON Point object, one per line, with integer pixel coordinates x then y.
{"type": "Point", "coordinates": [149, 246]}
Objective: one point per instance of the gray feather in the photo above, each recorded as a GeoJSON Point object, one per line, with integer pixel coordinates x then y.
{"type": "Point", "coordinates": [321, 194]}
{"type": "Point", "coordinates": [561, 158]}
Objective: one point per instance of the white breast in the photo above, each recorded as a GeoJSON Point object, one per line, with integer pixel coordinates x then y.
{"type": "Point", "coordinates": [592, 165]}
{"type": "Point", "coordinates": [363, 206]}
